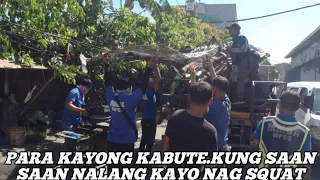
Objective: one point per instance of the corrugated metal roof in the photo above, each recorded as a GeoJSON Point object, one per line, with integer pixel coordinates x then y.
{"type": "Point", "coordinates": [5, 64]}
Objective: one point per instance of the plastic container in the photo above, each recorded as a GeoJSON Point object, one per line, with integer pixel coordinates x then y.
{"type": "Point", "coordinates": [72, 135]}
{"type": "Point", "coordinates": [17, 136]}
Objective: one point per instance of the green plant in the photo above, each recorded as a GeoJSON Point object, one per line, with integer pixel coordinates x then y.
{"type": "Point", "coordinates": [41, 32]}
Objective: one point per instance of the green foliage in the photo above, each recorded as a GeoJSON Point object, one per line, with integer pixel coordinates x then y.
{"type": "Point", "coordinates": [28, 60]}
{"type": "Point", "coordinates": [39, 32]}
{"type": "Point", "coordinates": [23, 31]}
{"type": "Point", "coordinates": [225, 38]}
{"type": "Point", "coordinates": [130, 29]}
{"type": "Point", "coordinates": [179, 29]}
{"type": "Point", "coordinates": [65, 73]}
{"type": "Point", "coordinates": [156, 7]}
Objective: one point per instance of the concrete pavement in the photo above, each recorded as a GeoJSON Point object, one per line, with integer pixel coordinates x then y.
{"type": "Point", "coordinates": [52, 143]}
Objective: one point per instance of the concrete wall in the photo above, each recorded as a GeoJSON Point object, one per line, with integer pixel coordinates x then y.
{"type": "Point", "coordinates": [293, 75]}
{"type": "Point", "coordinates": [219, 13]}
{"type": "Point", "coordinates": [296, 60]}
{"type": "Point", "coordinates": [306, 55]}
{"type": "Point", "coordinates": [309, 75]}
{"type": "Point", "coordinates": [282, 68]}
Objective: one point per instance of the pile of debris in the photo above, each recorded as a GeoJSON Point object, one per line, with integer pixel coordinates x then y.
{"type": "Point", "coordinates": [181, 61]}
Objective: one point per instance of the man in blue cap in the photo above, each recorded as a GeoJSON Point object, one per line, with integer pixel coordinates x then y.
{"type": "Point", "coordinates": [243, 57]}
{"type": "Point", "coordinates": [123, 103]}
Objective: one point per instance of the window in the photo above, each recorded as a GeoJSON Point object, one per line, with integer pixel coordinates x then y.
{"type": "Point", "coordinates": [316, 101]}
{"type": "Point", "coordinates": [303, 94]}
{"type": "Point", "coordinates": [296, 90]}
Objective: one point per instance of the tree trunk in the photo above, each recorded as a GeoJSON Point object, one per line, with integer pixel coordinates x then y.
{"type": "Point", "coordinates": [129, 4]}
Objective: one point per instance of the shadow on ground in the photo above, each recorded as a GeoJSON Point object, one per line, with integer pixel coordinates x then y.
{"type": "Point", "coordinates": [50, 144]}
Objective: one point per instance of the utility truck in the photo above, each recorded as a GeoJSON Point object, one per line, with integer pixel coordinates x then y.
{"type": "Point", "coordinates": [244, 118]}
{"type": "Point", "coordinates": [309, 112]}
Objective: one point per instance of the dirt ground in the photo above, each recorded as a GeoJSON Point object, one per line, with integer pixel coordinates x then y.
{"type": "Point", "coordinates": [52, 143]}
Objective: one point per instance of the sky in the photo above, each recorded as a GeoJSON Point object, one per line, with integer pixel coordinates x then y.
{"type": "Point", "coordinates": [277, 35]}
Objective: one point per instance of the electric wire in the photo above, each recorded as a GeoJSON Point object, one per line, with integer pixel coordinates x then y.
{"type": "Point", "coordinates": [29, 47]}
{"type": "Point", "coordinates": [269, 15]}
{"type": "Point", "coordinates": [57, 36]}
{"type": "Point", "coordinates": [102, 49]}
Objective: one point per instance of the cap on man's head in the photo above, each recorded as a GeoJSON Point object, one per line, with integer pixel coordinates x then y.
{"type": "Point", "coordinates": [121, 83]}
{"type": "Point", "coordinates": [234, 25]}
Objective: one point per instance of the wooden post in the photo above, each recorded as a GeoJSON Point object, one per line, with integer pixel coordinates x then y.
{"type": "Point", "coordinates": [6, 82]}
{"type": "Point", "coordinates": [35, 97]}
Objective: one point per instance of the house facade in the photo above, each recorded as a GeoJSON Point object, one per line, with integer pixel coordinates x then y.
{"type": "Point", "coordinates": [218, 14]}
{"type": "Point", "coordinates": [305, 59]}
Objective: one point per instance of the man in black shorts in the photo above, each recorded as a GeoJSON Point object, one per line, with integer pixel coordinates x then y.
{"type": "Point", "coordinates": [187, 130]}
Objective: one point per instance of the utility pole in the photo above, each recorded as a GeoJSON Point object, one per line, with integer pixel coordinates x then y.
{"type": "Point", "coordinates": [111, 3]}
{"type": "Point", "coordinates": [190, 6]}
{"type": "Point", "coordinates": [194, 8]}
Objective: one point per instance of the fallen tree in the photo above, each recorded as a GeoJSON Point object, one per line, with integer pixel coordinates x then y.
{"type": "Point", "coordinates": [181, 61]}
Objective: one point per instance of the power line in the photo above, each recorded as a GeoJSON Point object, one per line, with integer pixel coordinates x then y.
{"type": "Point", "coordinates": [177, 2]}
{"type": "Point", "coordinates": [57, 36]}
{"type": "Point", "coordinates": [26, 46]}
{"type": "Point", "coordinates": [300, 5]}
{"type": "Point", "coordinates": [269, 15]}
{"type": "Point", "coordinates": [16, 34]}
{"type": "Point", "coordinates": [99, 48]}
{"type": "Point", "coordinates": [29, 47]}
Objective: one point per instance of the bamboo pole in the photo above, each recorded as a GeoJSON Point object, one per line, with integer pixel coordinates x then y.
{"type": "Point", "coordinates": [35, 96]}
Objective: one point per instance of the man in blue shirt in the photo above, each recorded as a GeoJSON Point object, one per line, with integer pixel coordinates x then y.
{"type": "Point", "coordinates": [149, 124]}
{"type": "Point", "coordinates": [188, 130]}
{"type": "Point", "coordinates": [219, 111]}
{"type": "Point", "coordinates": [282, 133]}
{"type": "Point", "coordinates": [72, 114]}
{"type": "Point", "coordinates": [243, 57]}
{"type": "Point", "coordinates": [123, 104]}
{"type": "Point", "coordinates": [73, 111]}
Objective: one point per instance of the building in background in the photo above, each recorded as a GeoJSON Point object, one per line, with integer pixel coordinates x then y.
{"type": "Point", "coordinates": [305, 59]}
{"type": "Point", "coordinates": [217, 14]}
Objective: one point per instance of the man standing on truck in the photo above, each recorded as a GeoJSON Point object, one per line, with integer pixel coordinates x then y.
{"type": "Point", "coordinates": [219, 111]}
{"type": "Point", "coordinates": [282, 133]}
{"type": "Point", "coordinates": [123, 103]}
{"type": "Point", "coordinates": [148, 122]}
{"type": "Point", "coordinates": [243, 57]}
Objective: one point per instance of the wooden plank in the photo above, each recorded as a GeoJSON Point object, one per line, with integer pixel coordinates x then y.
{"type": "Point", "coordinates": [103, 124]}
{"type": "Point", "coordinates": [36, 95]}
{"type": "Point", "coordinates": [241, 115]}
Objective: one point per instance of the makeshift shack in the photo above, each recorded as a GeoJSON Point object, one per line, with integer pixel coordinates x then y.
{"type": "Point", "coordinates": [30, 97]}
